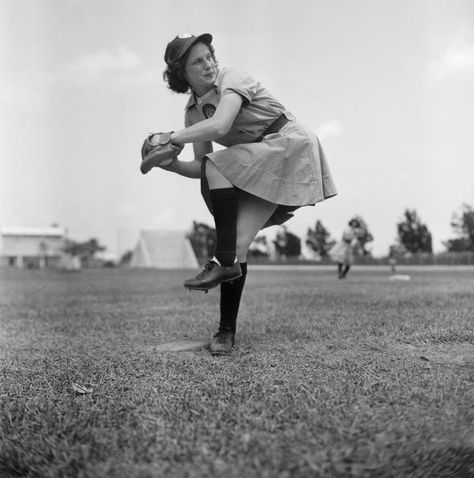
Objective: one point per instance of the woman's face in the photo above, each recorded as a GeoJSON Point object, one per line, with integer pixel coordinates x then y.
{"type": "Point", "coordinates": [200, 69]}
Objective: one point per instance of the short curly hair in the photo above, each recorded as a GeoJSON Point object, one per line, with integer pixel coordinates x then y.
{"type": "Point", "coordinates": [174, 73]}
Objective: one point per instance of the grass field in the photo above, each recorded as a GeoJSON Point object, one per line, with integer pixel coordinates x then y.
{"type": "Point", "coordinates": [364, 377]}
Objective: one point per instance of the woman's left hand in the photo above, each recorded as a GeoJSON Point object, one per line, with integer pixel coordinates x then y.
{"type": "Point", "coordinates": [169, 166]}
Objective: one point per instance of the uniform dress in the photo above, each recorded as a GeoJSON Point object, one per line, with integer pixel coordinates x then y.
{"type": "Point", "coordinates": [287, 168]}
{"type": "Point", "coordinates": [342, 252]}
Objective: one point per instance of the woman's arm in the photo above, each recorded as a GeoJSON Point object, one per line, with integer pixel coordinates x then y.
{"type": "Point", "coordinates": [191, 169]}
{"type": "Point", "coordinates": [212, 128]}
{"type": "Point", "coordinates": [203, 133]}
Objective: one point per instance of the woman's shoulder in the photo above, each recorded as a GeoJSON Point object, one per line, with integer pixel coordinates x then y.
{"type": "Point", "coordinates": [233, 74]}
{"type": "Point", "coordinates": [231, 79]}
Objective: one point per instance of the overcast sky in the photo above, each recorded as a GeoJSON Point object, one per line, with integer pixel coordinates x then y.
{"type": "Point", "coordinates": [386, 84]}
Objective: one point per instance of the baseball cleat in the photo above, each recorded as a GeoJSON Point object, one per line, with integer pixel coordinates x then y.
{"type": "Point", "coordinates": [222, 343]}
{"type": "Point", "coordinates": [212, 275]}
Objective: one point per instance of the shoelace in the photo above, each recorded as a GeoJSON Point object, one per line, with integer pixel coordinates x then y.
{"type": "Point", "coordinates": [208, 267]}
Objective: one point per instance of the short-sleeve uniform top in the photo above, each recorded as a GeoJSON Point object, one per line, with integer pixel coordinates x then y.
{"type": "Point", "coordinates": [288, 168]}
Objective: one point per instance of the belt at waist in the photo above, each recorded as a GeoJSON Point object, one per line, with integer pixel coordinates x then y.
{"type": "Point", "coordinates": [274, 127]}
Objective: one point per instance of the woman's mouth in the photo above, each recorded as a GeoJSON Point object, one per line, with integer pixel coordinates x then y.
{"type": "Point", "coordinates": [209, 74]}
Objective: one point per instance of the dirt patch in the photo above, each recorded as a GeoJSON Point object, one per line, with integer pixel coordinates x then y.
{"type": "Point", "coordinates": [452, 354]}
{"type": "Point", "coordinates": [181, 346]}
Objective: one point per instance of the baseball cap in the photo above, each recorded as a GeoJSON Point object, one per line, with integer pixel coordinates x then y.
{"type": "Point", "coordinates": [178, 47]}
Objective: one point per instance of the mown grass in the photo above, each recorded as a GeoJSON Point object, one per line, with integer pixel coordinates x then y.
{"type": "Point", "coordinates": [363, 377]}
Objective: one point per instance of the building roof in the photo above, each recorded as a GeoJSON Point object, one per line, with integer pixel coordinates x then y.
{"type": "Point", "coordinates": [52, 231]}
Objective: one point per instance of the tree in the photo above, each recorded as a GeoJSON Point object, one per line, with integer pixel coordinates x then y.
{"type": "Point", "coordinates": [203, 240]}
{"type": "Point", "coordinates": [85, 251]}
{"type": "Point", "coordinates": [319, 239]}
{"type": "Point", "coordinates": [463, 225]}
{"type": "Point", "coordinates": [286, 243]}
{"type": "Point", "coordinates": [126, 258]}
{"type": "Point", "coordinates": [364, 236]}
{"type": "Point", "coordinates": [413, 234]}
{"type": "Point", "coordinates": [259, 247]}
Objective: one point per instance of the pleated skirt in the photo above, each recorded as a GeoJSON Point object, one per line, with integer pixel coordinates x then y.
{"type": "Point", "coordinates": [288, 168]}
{"type": "Point", "coordinates": [342, 253]}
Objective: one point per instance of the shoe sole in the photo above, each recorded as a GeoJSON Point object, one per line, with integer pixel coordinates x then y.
{"type": "Point", "coordinates": [213, 285]}
{"type": "Point", "coordinates": [218, 354]}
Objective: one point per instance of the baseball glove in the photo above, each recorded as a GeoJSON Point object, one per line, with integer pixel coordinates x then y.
{"type": "Point", "coordinates": [157, 150]}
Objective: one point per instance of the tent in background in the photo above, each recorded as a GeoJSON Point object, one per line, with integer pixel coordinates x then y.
{"type": "Point", "coordinates": [163, 250]}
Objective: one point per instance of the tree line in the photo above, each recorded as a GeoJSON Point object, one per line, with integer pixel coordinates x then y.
{"type": "Point", "coordinates": [412, 237]}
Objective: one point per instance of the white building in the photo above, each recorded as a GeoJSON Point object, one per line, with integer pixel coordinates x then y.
{"type": "Point", "coordinates": [31, 247]}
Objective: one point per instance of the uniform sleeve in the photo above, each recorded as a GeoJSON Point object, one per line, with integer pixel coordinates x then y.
{"type": "Point", "coordinates": [238, 82]}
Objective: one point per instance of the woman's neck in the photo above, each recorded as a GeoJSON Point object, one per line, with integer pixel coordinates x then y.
{"type": "Point", "coordinates": [202, 96]}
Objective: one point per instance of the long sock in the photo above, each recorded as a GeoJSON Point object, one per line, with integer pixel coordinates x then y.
{"type": "Point", "coordinates": [225, 202]}
{"type": "Point", "coordinates": [339, 269]}
{"type": "Point", "coordinates": [345, 271]}
{"type": "Point", "coordinates": [231, 292]}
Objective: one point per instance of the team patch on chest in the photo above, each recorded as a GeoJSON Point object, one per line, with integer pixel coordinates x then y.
{"type": "Point", "coordinates": [208, 110]}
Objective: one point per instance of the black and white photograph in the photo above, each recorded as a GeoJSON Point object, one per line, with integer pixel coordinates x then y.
{"type": "Point", "coordinates": [237, 239]}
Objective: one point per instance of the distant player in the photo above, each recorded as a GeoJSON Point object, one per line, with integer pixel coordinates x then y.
{"type": "Point", "coordinates": [272, 164]}
{"type": "Point", "coordinates": [342, 252]}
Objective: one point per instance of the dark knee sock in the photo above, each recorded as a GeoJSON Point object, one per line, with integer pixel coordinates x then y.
{"type": "Point", "coordinates": [345, 271]}
{"type": "Point", "coordinates": [339, 269]}
{"type": "Point", "coordinates": [225, 202]}
{"type": "Point", "coordinates": [231, 292]}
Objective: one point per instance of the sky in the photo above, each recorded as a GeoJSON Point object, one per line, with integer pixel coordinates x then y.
{"type": "Point", "coordinates": [386, 84]}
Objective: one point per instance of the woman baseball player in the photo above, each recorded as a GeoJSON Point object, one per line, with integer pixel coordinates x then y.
{"type": "Point", "coordinates": [272, 164]}
{"type": "Point", "coordinates": [342, 252]}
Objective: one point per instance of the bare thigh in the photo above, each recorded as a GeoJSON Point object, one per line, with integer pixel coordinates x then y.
{"type": "Point", "coordinates": [252, 215]}
{"type": "Point", "coordinates": [215, 178]}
